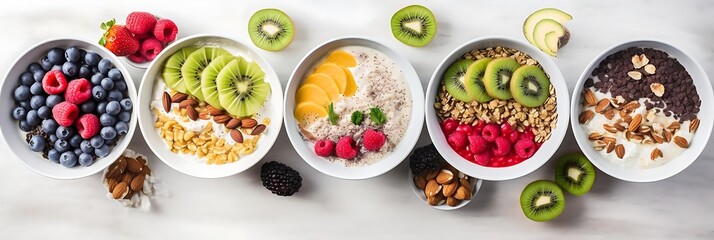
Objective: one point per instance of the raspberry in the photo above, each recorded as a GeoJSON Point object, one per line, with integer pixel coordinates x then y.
{"type": "Point", "coordinates": [525, 148]}
{"type": "Point", "coordinates": [324, 148]}
{"type": "Point", "coordinates": [457, 140]}
{"type": "Point", "coordinates": [165, 30]}
{"type": "Point", "coordinates": [65, 113]}
{"type": "Point", "coordinates": [506, 128]}
{"type": "Point", "coordinates": [491, 132]}
{"type": "Point", "coordinates": [476, 143]}
{"type": "Point", "coordinates": [528, 134]}
{"type": "Point", "coordinates": [54, 82]}
{"type": "Point", "coordinates": [514, 136]}
{"type": "Point", "coordinates": [137, 57]}
{"type": "Point", "coordinates": [346, 148]}
{"type": "Point", "coordinates": [78, 91]}
{"type": "Point", "coordinates": [503, 146]}
{"type": "Point", "coordinates": [87, 125]}
{"type": "Point", "coordinates": [483, 158]}
{"type": "Point", "coordinates": [449, 125]}
{"type": "Point", "coordinates": [464, 128]}
{"type": "Point", "coordinates": [150, 48]}
{"type": "Point", "coordinates": [140, 23]}
{"type": "Point", "coordinates": [373, 140]}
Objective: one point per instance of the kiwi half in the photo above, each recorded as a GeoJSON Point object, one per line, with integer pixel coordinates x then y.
{"type": "Point", "coordinates": [242, 89]}
{"type": "Point", "coordinates": [193, 68]}
{"type": "Point", "coordinates": [454, 80]}
{"type": "Point", "coordinates": [542, 201]}
{"type": "Point", "coordinates": [208, 79]}
{"type": "Point", "coordinates": [575, 174]}
{"type": "Point", "coordinates": [414, 25]}
{"type": "Point", "coordinates": [497, 78]}
{"type": "Point", "coordinates": [474, 80]}
{"type": "Point", "coordinates": [271, 29]}
{"type": "Point", "coordinates": [530, 86]}
{"type": "Point", "coordinates": [172, 69]}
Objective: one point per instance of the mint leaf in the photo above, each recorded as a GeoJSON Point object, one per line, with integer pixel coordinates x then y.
{"type": "Point", "coordinates": [377, 116]}
{"type": "Point", "coordinates": [357, 117]}
{"type": "Point", "coordinates": [331, 115]}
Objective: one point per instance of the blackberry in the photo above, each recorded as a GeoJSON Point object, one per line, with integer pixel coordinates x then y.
{"type": "Point", "coordinates": [280, 179]}
{"type": "Point", "coordinates": [425, 159]}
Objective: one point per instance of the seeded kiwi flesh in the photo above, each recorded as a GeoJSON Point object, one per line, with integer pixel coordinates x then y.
{"type": "Point", "coordinates": [575, 174]}
{"type": "Point", "coordinates": [193, 68]}
{"type": "Point", "coordinates": [208, 79]}
{"type": "Point", "coordinates": [271, 29]}
{"type": "Point", "coordinates": [497, 78]}
{"type": "Point", "coordinates": [242, 89]}
{"type": "Point", "coordinates": [414, 25]}
{"type": "Point", "coordinates": [542, 201]}
{"type": "Point", "coordinates": [454, 78]}
{"type": "Point", "coordinates": [530, 86]}
{"type": "Point", "coordinates": [474, 80]}
{"type": "Point", "coordinates": [172, 69]}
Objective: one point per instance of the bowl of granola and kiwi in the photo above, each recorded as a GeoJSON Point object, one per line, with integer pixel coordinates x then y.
{"type": "Point", "coordinates": [494, 108]}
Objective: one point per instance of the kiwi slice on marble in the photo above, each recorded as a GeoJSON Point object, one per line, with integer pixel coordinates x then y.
{"type": "Point", "coordinates": [242, 89]}
{"type": "Point", "coordinates": [530, 86]}
{"type": "Point", "coordinates": [497, 78]}
{"type": "Point", "coordinates": [193, 68]}
{"type": "Point", "coordinates": [172, 69]}
{"type": "Point", "coordinates": [474, 80]}
{"type": "Point", "coordinates": [414, 25]}
{"type": "Point", "coordinates": [542, 201]}
{"type": "Point", "coordinates": [271, 29]}
{"type": "Point", "coordinates": [208, 79]}
{"type": "Point", "coordinates": [575, 174]}
{"type": "Point", "coordinates": [454, 80]}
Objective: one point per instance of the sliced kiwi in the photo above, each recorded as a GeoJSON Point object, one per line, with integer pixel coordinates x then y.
{"type": "Point", "coordinates": [414, 25]}
{"type": "Point", "coordinates": [497, 78]}
{"type": "Point", "coordinates": [193, 68]}
{"type": "Point", "coordinates": [172, 69]}
{"type": "Point", "coordinates": [454, 80]}
{"type": "Point", "coordinates": [530, 86]}
{"type": "Point", "coordinates": [271, 29]}
{"type": "Point", "coordinates": [542, 201]}
{"type": "Point", "coordinates": [242, 89]}
{"type": "Point", "coordinates": [208, 79]}
{"type": "Point", "coordinates": [575, 174]}
{"type": "Point", "coordinates": [474, 80]}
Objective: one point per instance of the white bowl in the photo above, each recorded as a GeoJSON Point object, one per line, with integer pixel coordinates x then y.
{"type": "Point", "coordinates": [546, 150]}
{"type": "Point", "coordinates": [475, 185]}
{"type": "Point", "coordinates": [193, 167]}
{"type": "Point", "coordinates": [11, 132]}
{"type": "Point", "coordinates": [337, 169]}
{"type": "Point", "coordinates": [674, 166]}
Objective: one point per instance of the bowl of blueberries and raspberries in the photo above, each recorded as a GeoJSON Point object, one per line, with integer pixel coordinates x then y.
{"type": "Point", "coordinates": [67, 108]}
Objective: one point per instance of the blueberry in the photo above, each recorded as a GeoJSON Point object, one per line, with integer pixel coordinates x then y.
{"type": "Point", "coordinates": [120, 85]}
{"type": "Point", "coordinates": [97, 141]}
{"type": "Point", "coordinates": [75, 140]}
{"type": "Point", "coordinates": [113, 108]}
{"type": "Point", "coordinates": [115, 95]}
{"type": "Point", "coordinates": [38, 76]}
{"type": "Point", "coordinates": [122, 128]}
{"type": "Point", "coordinates": [70, 69]}
{"type": "Point", "coordinates": [34, 67]}
{"type": "Point", "coordinates": [107, 84]}
{"type": "Point", "coordinates": [88, 106]}
{"type": "Point", "coordinates": [102, 151]}
{"type": "Point", "coordinates": [19, 113]}
{"type": "Point", "coordinates": [115, 74]}
{"type": "Point", "coordinates": [102, 107]}
{"type": "Point", "coordinates": [73, 54]}
{"type": "Point", "coordinates": [53, 138]}
{"type": "Point", "coordinates": [85, 160]}
{"type": "Point", "coordinates": [98, 93]}
{"type": "Point", "coordinates": [32, 118]}
{"type": "Point", "coordinates": [56, 56]}
{"type": "Point", "coordinates": [108, 133]}
{"type": "Point", "coordinates": [24, 126]}
{"type": "Point", "coordinates": [37, 101]}
{"type": "Point", "coordinates": [57, 68]}
{"type": "Point", "coordinates": [97, 79]}
{"type": "Point", "coordinates": [95, 70]}
{"type": "Point", "coordinates": [107, 120]}
{"type": "Point", "coordinates": [46, 64]}
{"type": "Point", "coordinates": [86, 146]}
{"type": "Point", "coordinates": [62, 145]}
{"type": "Point", "coordinates": [125, 117]}
{"type": "Point", "coordinates": [25, 105]}
{"type": "Point", "coordinates": [44, 112]}
{"type": "Point", "coordinates": [64, 133]}
{"type": "Point", "coordinates": [92, 59]}
{"type": "Point", "coordinates": [110, 142]}
{"type": "Point", "coordinates": [85, 71]}
{"type": "Point", "coordinates": [49, 126]}
{"type": "Point", "coordinates": [36, 88]}
{"type": "Point", "coordinates": [68, 159]}
{"type": "Point", "coordinates": [53, 155]}
{"type": "Point", "coordinates": [77, 151]}
{"type": "Point", "coordinates": [27, 79]}
{"type": "Point", "coordinates": [53, 100]}
{"type": "Point", "coordinates": [37, 143]}
{"type": "Point", "coordinates": [22, 93]}
{"type": "Point", "coordinates": [104, 66]}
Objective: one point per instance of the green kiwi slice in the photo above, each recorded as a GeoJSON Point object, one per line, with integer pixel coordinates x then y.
{"type": "Point", "coordinates": [172, 69]}
{"type": "Point", "coordinates": [454, 80]}
{"type": "Point", "coordinates": [414, 25]}
{"type": "Point", "coordinates": [542, 201]}
{"type": "Point", "coordinates": [474, 80]}
{"type": "Point", "coordinates": [530, 86]}
{"type": "Point", "coordinates": [208, 79]}
{"type": "Point", "coordinates": [271, 29]}
{"type": "Point", "coordinates": [193, 68]}
{"type": "Point", "coordinates": [242, 89]}
{"type": "Point", "coordinates": [497, 78]}
{"type": "Point", "coordinates": [575, 174]}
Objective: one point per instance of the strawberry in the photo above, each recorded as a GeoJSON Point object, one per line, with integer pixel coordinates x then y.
{"type": "Point", "coordinates": [118, 39]}
{"type": "Point", "coordinates": [140, 22]}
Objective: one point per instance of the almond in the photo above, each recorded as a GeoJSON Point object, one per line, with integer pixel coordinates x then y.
{"type": "Point", "coordinates": [444, 177]}
{"type": "Point", "coordinates": [120, 190]}
{"type": "Point", "coordinates": [609, 128]}
{"type": "Point", "coordinates": [595, 136]}
{"type": "Point", "coordinates": [609, 114]}
{"type": "Point", "coordinates": [436, 200]}
{"type": "Point", "coordinates": [635, 123]}
{"type": "Point", "coordinates": [681, 142]}
{"type": "Point", "coordinates": [631, 106]}
{"type": "Point", "coordinates": [667, 136]}
{"type": "Point", "coordinates": [693, 125]}
{"type": "Point", "coordinates": [657, 89]}
{"type": "Point", "coordinates": [233, 123]}
{"type": "Point", "coordinates": [127, 177]}
{"type": "Point", "coordinates": [166, 101]}
{"type": "Point", "coordinates": [111, 183]}
{"type": "Point", "coordinates": [589, 97]}
{"type": "Point", "coordinates": [137, 183]}
{"type": "Point", "coordinates": [178, 97]}
{"type": "Point", "coordinates": [449, 189]}
{"type": "Point", "coordinates": [432, 188]}
{"type": "Point", "coordinates": [645, 129]}
{"type": "Point", "coordinates": [134, 165]}
{"type": "Point", "coordinates": [609, 140]}
{"type": "Point", "coordinates": [431, 175]}
{"type": "Point", "coordinates": [586, 116]}
{"type": "Point", "coordinates": [236, 135]}
{"type": "Point", "coordinates": [462, 193]}
{"type": "Point", "coordinates": [657, 138]}
{"type": "Point", "coordinates": [656, 153]}
{"type": "Point", "coordinates": [620, 151]}
{"type": "Point", "coordinates": [145, 171]}
{"type": "Point", "coordinates": [674, 126]}
{"type": "Point", "coordinates": [192, 113]}
{"type": "Point", "coordinates": [258, 130]}
{"type": "Point", "coordinates": [602, 105]}
{"type": "Point", "coordinates": [129, 193]}
{"type": "Point", "coordinates": [599, 145]}
{"type": "Point", "coordinates": [620, 125]}
{"type": "Point", "coordinates": [420, 182]}
{"type": "Point", "coordinates": [248, 122]}
{"type": "Point", "coordinates": [452, 201]}
{"type": "Point", "coordinates": [204, 115]}
{"type": "Point", "coordinates": [465, 182]}
{"type": "Point", "coordinates": [610, 147]}
{"type": "Point", "coordinates": [188, 102]}
{"type": "Point", "coordinates": [213, 111]}
{"type": "Point", "coordinates": [222, 119]}
{"type": "Point", "coordinates": [617, 102]}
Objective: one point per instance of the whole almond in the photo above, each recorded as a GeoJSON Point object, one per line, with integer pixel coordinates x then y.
{"type": "Point", "coordinates": [657, 138]}
{"type": "Point", "coordinates": [620, 125]}
{"type": "Point", "coordinates": [188, 102]}
{"type": "Point", "coordinates": [222, 119]}
{"type": "Point", "coordinates": [258, 130]}
{"type": "Point", "coordinates": [233, 123]}
{"type": "Point", "coordinates": [595, 136]}
{"type": "Point", "coordinates": [236, 135]}
{"type": "Point", "coordinates": [129, 193]}
{"type": "Point", "coordinates": [126, 177]}
{"type": "Point", "coordinates": [120, 190]}
{"type": "Point", "coordinates": [204, 115]}
{"type": "Point", "coordinates": [610, 147]}
{"type": "Point", "coordinates": [681, 142]}
{"type": "Point", "coordinates": [248, 122]}
{"type": "Point", "coordinates": [431, 174]}
{"type": "Point", "coordinates": [602, 105]}
{"type": "Point", "coordinates": [674, 126]}
{"type": "Point", "coordinates": [620, 151]}
{"type": "Point", "coordinates": [420, 182]}
{"type": "Point", "coordinates": [609, 114]}
{"type": "Point", "coordinates": [693, 125]}
{"type": "Point", "coordinates": [452, 201]}
{"type": "Point", "coordinates": [589, 97]}
{"type": "Point", "coordinates": [432, 188]}
{"type": "Point", "coordinates": [166, 101]}
{"type": "Point", "coordinates": [466, 183]}
{"type": "Point", "coordinates": [121, 163]}
{"type": "Point", "coordinates": [631, 106]}
{"type": "Point", "coordinates": [609, 128]}
{"type": "Point", "coordinates": [213, 111]}
{"type": "Point", "coordinates": [133, 165]}
{"type": "Point", "coordinates": [192, 113]}
{"type": "Point", "coordinates": [449, 189]}
{"type": "Point", "coordinates": [462, 193]}
{"type": "Point", "coordinates": [635, 123]}
{"type": "Point", "coordinates": [667, 136]}
{"type": "Point", "coordinates": [137, 183]}
{"type": "Point", "coordinates": [656, 153]}
{"type": "Point", "coordinates": [113, 171]}
{"type": "Point", "coordinates": [609, 140]}
{"type": "Point", "coordinates": [178, 97]}
{"type": "Point", "coordinates": [111, 183]}
{"type": "Point", "coordinates": [586, 116]}
{"type": "Point", "coordinates": [444, 177]}
{"type": "Point", "coordinates": [145, 171]}
{"type": "Point", "coordinates": [436, 200]}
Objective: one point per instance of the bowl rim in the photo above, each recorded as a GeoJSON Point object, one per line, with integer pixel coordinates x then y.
{"type": "Point", "coordinates": [416, 120]}
{"type": "Point", "coordinates": [148, 81]}
{"type": "Point", "coordinates": [640, 175]}
{"type": "Point", "coordinates": [120, 146]}
{"type": "Point", "coordinates": [419, 194]}
{"type": "Point", "coordinates": [545, 152]}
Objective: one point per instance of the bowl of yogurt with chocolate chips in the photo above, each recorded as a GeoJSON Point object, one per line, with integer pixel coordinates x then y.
{"type": "Point", "coordinates": [638, 111]}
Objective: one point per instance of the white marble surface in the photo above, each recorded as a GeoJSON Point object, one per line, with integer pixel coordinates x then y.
{"type": "Point", "coordinates": [33, 206]}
